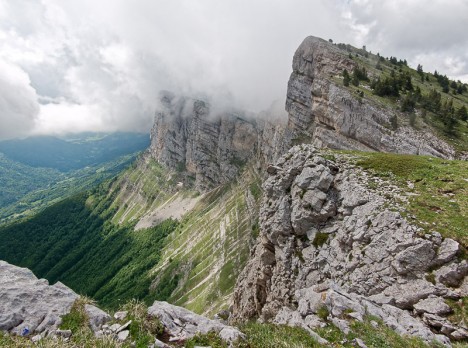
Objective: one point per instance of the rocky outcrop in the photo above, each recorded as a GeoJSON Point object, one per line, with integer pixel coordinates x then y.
{"type": "Point", "coordinates": [29, 305]}
{"type": "Point", "coordinates": [329, 241]}
{"type": "Point", "coordinates": [181, 324]}
{"type": "Point", "coordinates": [211, 146]}
{"type": "Point", "coordinates": [326, 114]}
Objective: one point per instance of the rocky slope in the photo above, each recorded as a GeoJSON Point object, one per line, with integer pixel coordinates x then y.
{"type": "Point", "coordinates": [327, 240]}
{"type": "Point", "coordinates": [322, 111]}
{"type": "Point", "coordinates": [32, 308]}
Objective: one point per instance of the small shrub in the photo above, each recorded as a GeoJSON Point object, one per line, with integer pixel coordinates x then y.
{"type": "Point", "coordinates": [210, 339]}
{"type": "Point", "coordinates": [320, 239]}
{"type": "Point", "coordinates": [323, 312]}
{"type": "Point", "coordinates": [430, 277]}
{"type": "Point", "coordinates": [77, 318]}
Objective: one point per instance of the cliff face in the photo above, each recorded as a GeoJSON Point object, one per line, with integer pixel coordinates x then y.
{"type": "Point", "coordinates": [211, 147]}
{"type": "Point", "coordinates": [325, 113]}
{"type": "Point", "coordinates": [327, 240]}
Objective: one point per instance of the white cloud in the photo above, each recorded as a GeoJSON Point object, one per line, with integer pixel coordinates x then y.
{"type": "Point", "coordinates": [18, 101]}
{"type": "Point", "coordinates": [432, 33]}
{"type": "Point", "coordinates": [99, 65]}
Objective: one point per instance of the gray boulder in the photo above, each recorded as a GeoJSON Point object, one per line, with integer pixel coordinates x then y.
{"type": "Point", "coordinates": [29, 305]}
{"type": "Point", "coordinates": [181, 324]}
{"type": "Point", "coordinates": [97, 317]}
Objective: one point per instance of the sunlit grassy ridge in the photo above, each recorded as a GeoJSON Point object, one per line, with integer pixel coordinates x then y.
{"type": "Point", "coordinates": [438, 189]}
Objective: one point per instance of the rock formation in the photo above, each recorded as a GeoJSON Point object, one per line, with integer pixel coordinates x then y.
{"type": "Point", "coordinates": [29, 305]}
{"type": "Point", "coordinates": [325, 113]}
{"type": "Point", "coordinates": [327, 240]}
{"type": "Point", "coordinates": [33, 308]}
{"type": "Point", "coordinates": [210, 146]}
{"type": "Point", "coordinates": [181, 324]}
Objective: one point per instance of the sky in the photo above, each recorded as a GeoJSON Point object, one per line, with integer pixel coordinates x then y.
{"type": "Point", "coordinates": [99, 65]}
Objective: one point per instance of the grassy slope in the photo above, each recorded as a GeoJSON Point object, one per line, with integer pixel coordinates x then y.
{"type": "Point", "coordinates": [439, 198]}
{"type": "Point", "coordinates": [211, 246]}
{"type": "Point", "coordinates": [88, 241]}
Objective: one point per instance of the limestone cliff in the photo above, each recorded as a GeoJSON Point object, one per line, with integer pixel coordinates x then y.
{"type": "Point", "coordinates": [329, 240]}
{"type": "Point", "coordinates": [211, 147]}
{"type": "Point", "coordinates": [322, 111]}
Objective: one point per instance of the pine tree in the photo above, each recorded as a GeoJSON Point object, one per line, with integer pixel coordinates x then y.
{"type": "Point", "coordinates": [346, 78]}
{"type": "Point", "coordinates": [462, 114]}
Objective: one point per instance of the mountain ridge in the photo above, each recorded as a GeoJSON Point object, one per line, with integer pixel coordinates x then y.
{"type": "Point", "coordinates": [305, 233]}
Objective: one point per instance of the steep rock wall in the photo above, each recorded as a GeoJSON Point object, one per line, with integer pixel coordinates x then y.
{"type": "Point", "coordinates": [211, 147]}
{"type": "Point", "coordinates": [328, 115]}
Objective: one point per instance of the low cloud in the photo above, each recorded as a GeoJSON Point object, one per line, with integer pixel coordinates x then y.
{"type": "Point", "coordinates": [18, 102]}
{"type": "Point", "coordinates": [99, 65]}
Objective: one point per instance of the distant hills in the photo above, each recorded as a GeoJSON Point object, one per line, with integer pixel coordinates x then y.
{"type": "Point", "coordinates": [38, 171]}
{"type": "Point", "coordinates": [74, 151]}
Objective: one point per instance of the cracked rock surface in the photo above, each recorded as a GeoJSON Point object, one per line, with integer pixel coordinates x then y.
{"type": "Point", "coordinates": [328, 240]}
{"type": "Point", "coordinates": [329, 115]}
{"type": "Point", "coordinates": [182, 324]}
{"type": "Point", "coordinates": [30, 305]}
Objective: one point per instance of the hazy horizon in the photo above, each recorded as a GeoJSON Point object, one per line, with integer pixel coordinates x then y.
{"type": "Point", "coordinates": [99, 66]}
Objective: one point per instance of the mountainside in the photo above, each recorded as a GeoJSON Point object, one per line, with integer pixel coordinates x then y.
{"type": "Point", "coordinates": [325, 112]}
{"type": "Point", "coordinates": [342, 244]}
{"type": "Point", "coordinates": [212, 147]}
{"type": "Point", "coordinates": [193, 262]}
{"type": "Point", "coordinates": [334, 238]}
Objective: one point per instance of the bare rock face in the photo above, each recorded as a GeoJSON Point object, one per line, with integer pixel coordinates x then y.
{"type": "Point", "coordinates": [210, 146]}
{"type": "Point", "coordinates": [29, 305]}
{"type": "Point", "coordinates": [326, 114]}
{"type": "Point", "coordinates": [328, 240]}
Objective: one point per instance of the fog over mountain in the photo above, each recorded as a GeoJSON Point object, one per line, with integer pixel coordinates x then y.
{"type": "Point", "coordinates": [99, 65]}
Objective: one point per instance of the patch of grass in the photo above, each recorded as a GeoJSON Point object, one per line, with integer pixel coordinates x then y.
{"type": "Point", "coordinates": [460, 310]}
{"type": "Point", "coordinates": [77, 319]}
{"type": "Point", "coordinates": [384, 337]}
{"type": "Point", "coordinates": [256, 189]}
{"type": "Point", "coordinates": [226, 278]}
{"type": "Point", "coordinates": [441, 200]}
{"type": "Point", "coordinates": [329, 157]}
{"type": "Point", "coordinates": [323, 312]}
{"type": "Point", "coordinates": [143, 328]}
{"type": "Point", "coordinates": [320, 239]}
{"type": "Point", "coordinates": [275, 336]}
{"type": "Point", "coordinates": [255, 230]}
{"type": "Point", "coordinates": [210, 339]}
{"type": "Point", "coordinates": [379, 336]}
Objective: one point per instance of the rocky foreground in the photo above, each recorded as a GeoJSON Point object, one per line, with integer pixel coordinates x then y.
{"type": "Point", "coordinates": [30, 307]}
{"type": "Point", "coordinates": [331, 244]}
